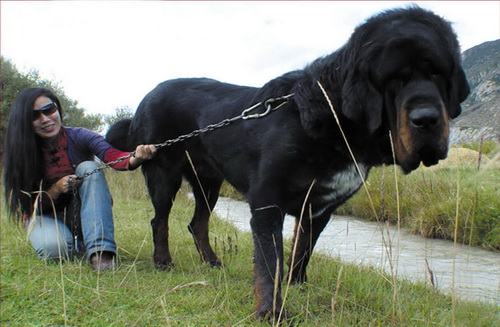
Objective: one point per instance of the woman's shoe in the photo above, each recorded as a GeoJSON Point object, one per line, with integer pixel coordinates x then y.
{"type": "Point", "coordinates": [101, 261]}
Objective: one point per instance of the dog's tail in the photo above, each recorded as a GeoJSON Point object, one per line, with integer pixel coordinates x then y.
{"type": "Point", "coordinates": [118, 135]}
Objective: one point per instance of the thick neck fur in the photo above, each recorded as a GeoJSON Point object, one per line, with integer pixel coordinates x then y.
{"type": "Point", "coordinates": [318, 119]}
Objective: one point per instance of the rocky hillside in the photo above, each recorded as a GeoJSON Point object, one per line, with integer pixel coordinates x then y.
{"type": "Point", "coordinates": [480, 116]}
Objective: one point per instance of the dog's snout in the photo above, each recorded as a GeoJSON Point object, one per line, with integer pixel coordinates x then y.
{"type": "Point", "coordinates": [424, 119]}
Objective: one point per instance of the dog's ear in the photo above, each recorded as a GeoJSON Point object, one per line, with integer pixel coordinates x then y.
{"type": "Point", "coordinates": [361, 102]}
{"type": "Point", "coordinates": [459, 91]}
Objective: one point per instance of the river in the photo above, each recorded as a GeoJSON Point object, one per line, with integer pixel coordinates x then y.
{"type": "Point", "coordinates": [465, 272]}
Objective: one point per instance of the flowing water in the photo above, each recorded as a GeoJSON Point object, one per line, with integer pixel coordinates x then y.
{"type": "Point", "coordinates": [468, 273]}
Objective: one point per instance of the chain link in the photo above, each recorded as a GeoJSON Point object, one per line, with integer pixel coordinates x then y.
{"type": "Point", "coordinates": [197, 132]}
{"type": "Point", "coordinates": [271, 104]}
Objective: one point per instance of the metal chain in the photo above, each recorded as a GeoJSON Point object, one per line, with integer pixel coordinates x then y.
{"type": "Point", "coordinates": [107, 165]}
{"type": "Point", "coordinates": [244, 115]}
{"type": "Point", "coordinates": [271, 104]}
{"type": "Point", "coordinates": [75, 219]}
{"type": "Point", "coordinates": [197, 132]}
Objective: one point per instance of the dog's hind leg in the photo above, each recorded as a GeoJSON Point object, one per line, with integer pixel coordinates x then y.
{"type": "Point", "coordinates": [306, 234]}
{"type": "Point", "coordinates": [206, 186]}
{"type": "Point", "coordinates": [163, 182]}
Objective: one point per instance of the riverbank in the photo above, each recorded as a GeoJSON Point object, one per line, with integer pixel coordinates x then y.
{"type": "Point", "coordinates": [457, 200]}
{"type": "Point", "coordinates": [458, 270]}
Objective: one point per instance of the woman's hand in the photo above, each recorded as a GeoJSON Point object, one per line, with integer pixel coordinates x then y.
{"type": "Point", "coordinates": [142, 153]}
{"type": "Point", "coordinates": [64, 185]}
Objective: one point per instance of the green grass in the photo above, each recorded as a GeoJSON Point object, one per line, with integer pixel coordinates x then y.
{"type": "Point", "coordinates": [36, 293]}
{"type": "Point", "coordinates": [435, 203]}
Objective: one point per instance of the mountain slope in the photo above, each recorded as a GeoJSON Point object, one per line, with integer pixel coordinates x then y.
{"type": "Point", "coordinates": [480, 116]}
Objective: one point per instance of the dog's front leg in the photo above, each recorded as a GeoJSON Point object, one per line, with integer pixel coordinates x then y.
{"type": "Point", "coordinates": [306, 234]}
{"type": "Point", "coordinates": [267, 227]}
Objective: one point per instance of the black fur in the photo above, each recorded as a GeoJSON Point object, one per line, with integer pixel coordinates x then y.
{"type": "Point", "coordinates": [398, 74]}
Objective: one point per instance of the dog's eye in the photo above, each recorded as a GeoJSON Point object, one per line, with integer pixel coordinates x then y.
{"type": "Point", "coordinates": [433, 72]}
{"type": "Point", "coordinates": [404, 74]}
{"type": "Point", "coordinates": [438, 79]}
{"type": "Point", "coordinates": [436, 76]}
{"type": "Point", "coordinates": [431, 69]}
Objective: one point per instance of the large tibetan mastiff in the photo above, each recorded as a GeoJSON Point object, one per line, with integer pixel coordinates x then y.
{"type": "Point", "coordinates": [397, 80]}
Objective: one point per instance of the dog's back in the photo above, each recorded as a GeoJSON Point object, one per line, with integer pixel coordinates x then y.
{"type": "Point", "coordinates": [180, 106]}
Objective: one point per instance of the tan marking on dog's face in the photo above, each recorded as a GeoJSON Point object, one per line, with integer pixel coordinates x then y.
{"type": "Point", "coordinates": [445, 132]}
{"type": "Point", "coordinates": [408, 140]}
{"type": "Point", "coordinates": [402, 137]}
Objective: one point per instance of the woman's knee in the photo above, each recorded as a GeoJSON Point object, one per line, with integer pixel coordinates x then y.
{"type": "Point", "coordinates": [86, 166]}
{"type": "Point", "coordinates": [95, 176]}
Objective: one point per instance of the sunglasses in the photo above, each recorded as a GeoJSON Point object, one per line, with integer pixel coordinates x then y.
{"type": "Point", "coordinates": [46, 110]}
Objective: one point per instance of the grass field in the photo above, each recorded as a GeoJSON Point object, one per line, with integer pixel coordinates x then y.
{"type": "Point", "coordinates": [36, 293]}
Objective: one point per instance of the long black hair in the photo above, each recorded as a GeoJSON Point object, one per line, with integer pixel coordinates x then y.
{"type": "Point", "coordinates": [23, 159]}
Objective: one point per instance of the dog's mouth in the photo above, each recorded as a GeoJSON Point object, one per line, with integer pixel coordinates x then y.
{"type": "Point", "coordinates": [430, 158]}
{"type": "Point", "coordinates": [408, 167]}
{"type": "Point", "coordinates": [427, 155]}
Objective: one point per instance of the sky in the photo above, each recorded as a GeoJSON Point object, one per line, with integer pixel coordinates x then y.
{"type": "Point", "coordinates": [110, 54]}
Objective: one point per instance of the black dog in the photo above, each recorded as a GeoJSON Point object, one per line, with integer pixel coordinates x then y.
{"type": "Point", "coordinates": [398, 79]}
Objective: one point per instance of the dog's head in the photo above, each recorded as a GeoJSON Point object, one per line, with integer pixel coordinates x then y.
{"type": "Point", "coordinates": [405, 76]}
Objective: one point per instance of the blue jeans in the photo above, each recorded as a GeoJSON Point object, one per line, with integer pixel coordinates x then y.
{"type": "Point", "coordinates": [52, 239]}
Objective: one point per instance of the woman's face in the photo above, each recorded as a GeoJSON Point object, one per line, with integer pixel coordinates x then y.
{"type": "Point", "coordinates": [46, 118]}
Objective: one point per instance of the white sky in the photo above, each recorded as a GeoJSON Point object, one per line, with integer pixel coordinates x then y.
{"type": "Point", "coordinates": [108, 54]}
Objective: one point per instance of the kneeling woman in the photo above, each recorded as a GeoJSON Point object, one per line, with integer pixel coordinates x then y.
{"type": "Point", "coordinates": [42, 159]}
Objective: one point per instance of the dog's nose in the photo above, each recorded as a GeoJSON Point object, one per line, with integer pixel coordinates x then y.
{"type": "Point", "coordinates": [424, 119]}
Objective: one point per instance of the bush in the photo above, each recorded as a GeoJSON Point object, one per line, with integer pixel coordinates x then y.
{"type": "Point", "coordinates": [488, 148]}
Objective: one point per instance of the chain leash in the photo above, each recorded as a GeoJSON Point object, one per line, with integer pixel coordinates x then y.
{"type": "Point", "coordinates": [76, 221]}
{"type": "Point", "coordinates": [271, 105]}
